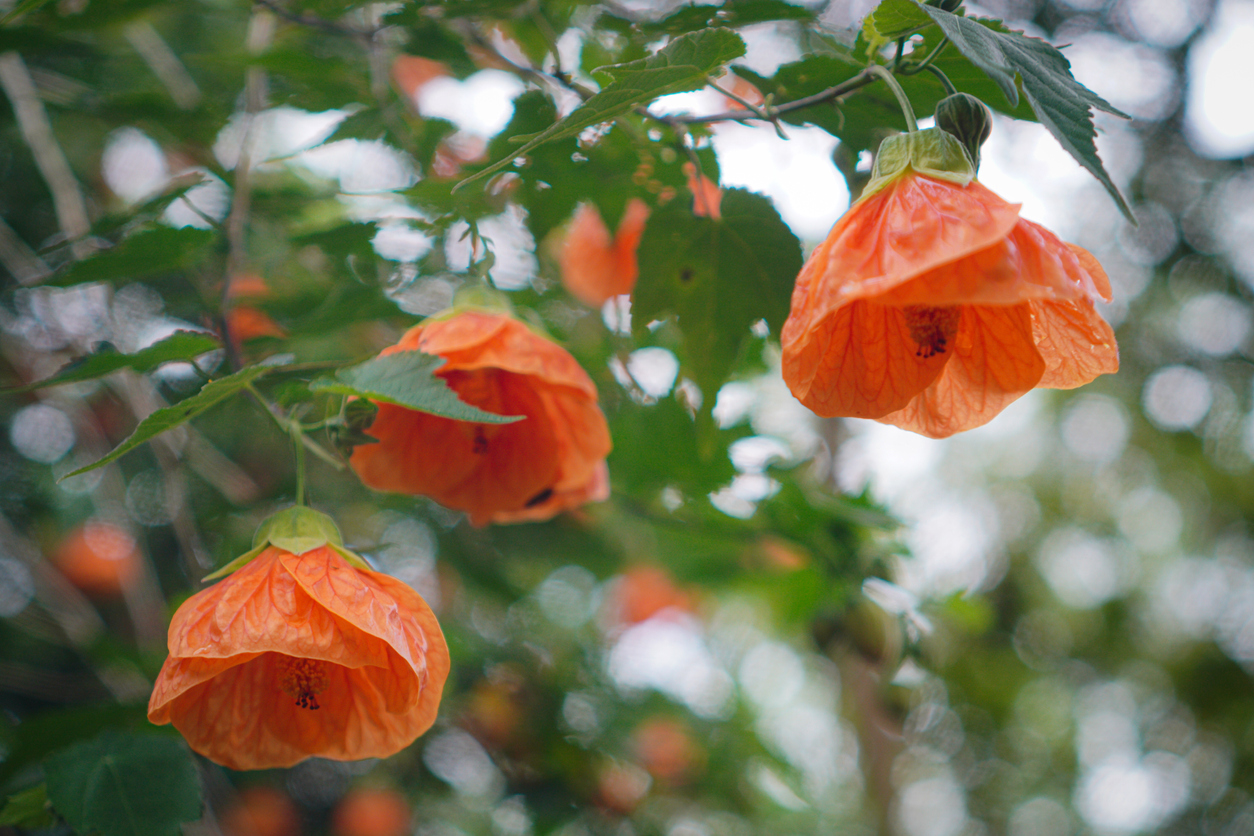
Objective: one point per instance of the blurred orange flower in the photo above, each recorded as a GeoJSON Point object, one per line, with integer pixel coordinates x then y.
{"type": "Point", "coordinates": [300, 655]}
{"type": "Point", "coordinates": [99, 558]}
{"type": "Point", "coordinates": [527, 470]}
{"type": "Point", "coordinates": [932, 305]}
{"type": "Point", "coordinates": [413, 72]}
{"type": "Point", "coordinates": [367, 811]}
{"type": "Point", "coordinates": [707, 197]}
{"type": "Point", "coordinates": [260, 811]}
{"type": "Point", "coordinates": [594, 268]}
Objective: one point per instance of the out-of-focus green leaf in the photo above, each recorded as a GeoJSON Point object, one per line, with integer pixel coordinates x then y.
{"type": "Point", "coordinates": [125, 785]}
{"type": "Point", "coordinates": [892, 19]}
{"type": "Point", "coordinates": [407, 378]}
{"type": "Point", "coordinates": [20, 9]}
{"type": "Point", "coordinates": [718, 277]}
{"type": "Point", "coordinates": [731, 13]}
{"type": "Point", "coordinates": [173, 416]}
{"type": "Point", "coordinates": [37, 735]}
{"type": "Point", "coordinates": [147, 253]}
{"type": "Point", "coordinates": [665, 431]}
{"type": "Point", "coordinates": [683, 64]}
{"type": "Point", "coordinates": [179, 346]}
{"type": "Point", "coordinates": [1062, 104]}
{"type": "Point", "coordinates": [28, 809]}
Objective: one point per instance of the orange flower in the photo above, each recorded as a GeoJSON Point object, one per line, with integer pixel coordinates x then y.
{"type": "Point", "coordinates": [298, 654]}
{"type": "Point", "coordinates": [594, 268]}
{"type": "Point", "coordinates": [99, 558]}
{"type": "Point", "coordinates": [413, 72]}
{"type": "Point", "coordinates": [372, 812]}
{"type": "Point", "coordinates": [932, 305]}
{"type": "Point", "coordinates": [707, 197]}
{"type": "Point", "coordinates": [527, 470]}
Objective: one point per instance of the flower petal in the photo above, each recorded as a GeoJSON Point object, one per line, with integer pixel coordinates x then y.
{"type": "Point", "coordinates": [994, 363]}
{"type": "Point", "coordinates": [1076, 343]}
{"type": "Point", "coordinates": [478, 340]}
{"type": "Point", "coordinates": [260, 608]}
{"type": "Point", "coordinates": [242, 719]}
{"type": "Point", "coordinates": [911, 227]}
{"type": "Point", "coordinates": [861, 362]}
{"type": "Point", "coordinates": [461, 464]}
{"type": "Point", "coordinates": [378, 606]}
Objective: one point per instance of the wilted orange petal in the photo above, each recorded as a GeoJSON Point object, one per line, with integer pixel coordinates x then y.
{"type": "Point", "coordinates": [861, 361]}
{"type": "Point", "coordinates": [993, 363]}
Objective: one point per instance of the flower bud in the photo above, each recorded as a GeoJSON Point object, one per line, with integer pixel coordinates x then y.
{"type": "Point", "coordinates": [967, 118]}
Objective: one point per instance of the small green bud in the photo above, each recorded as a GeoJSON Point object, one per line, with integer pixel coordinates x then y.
{"type": "Point", "coordinates": [967, 118]}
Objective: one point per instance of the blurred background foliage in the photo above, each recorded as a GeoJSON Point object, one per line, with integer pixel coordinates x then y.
{"type": "Point", "coordinates": [777, 624]}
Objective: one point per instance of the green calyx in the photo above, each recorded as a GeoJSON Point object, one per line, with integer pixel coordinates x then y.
{"type": "Point", "coordinates": [296, 530]}
{"type": "Point", "coordinates": [932, 152]}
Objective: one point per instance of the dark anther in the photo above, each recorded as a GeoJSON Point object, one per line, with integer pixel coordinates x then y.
{"type": "Point", "coordinates": [542, 496]}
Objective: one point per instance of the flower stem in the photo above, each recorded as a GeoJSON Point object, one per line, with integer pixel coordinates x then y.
{"type": "Point", "coordinates": [298, 441]}
{"type": "Point", "coordinates": [907, 111]}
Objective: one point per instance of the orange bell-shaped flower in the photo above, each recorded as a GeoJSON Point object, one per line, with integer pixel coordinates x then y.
{"type": "Point", "coordinates": [594, 267]}
{"type": "Point", "coordinates": [300, 653]}
{"type": "Point", "coordinates": [526, 470]}
{"type": "Point", "coordinates": [932, 305]}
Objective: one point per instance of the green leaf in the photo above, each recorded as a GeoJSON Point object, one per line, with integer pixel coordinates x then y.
{"type": "Point", "coordinates": [183, 411]}
{"type": "Point", "coordinates": [147, 253]}
{"type": "Point", "coordinates": [28, 809]}
{"type": "Point", "coordinates": [407, 378]}
{"type": "Point", "coordinates": [892, 19]}
{"type": "Point", "coordinates": [22, 8]}
{"type": "Point", "coordinates": [682, 65]}
{"type": "Point", "coordinates": [179, 346]}
{"type": "Point", "coordinates": [1060, 102]}
{"type": "Point", "coordinates": [39, 734]}
{"type": "Point", "coordinates": [125, 785]}
{"type": "Point", "coordinates": [719, 277]}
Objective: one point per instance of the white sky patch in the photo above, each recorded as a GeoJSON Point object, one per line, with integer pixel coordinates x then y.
{"type": "Point", "coordinates": [1137, 79]}
{"type": "Point", "coordinates": [273, 134]}
{"type": "Point", "coordinates": [506, 235]}
{"type": "Point", "coordinates": [797, 174]}
{"type": "Point", "coordinates": [361, 166]}
{"type": "Point", "coordinates": [1218, 120]}
{"type": "Point", "coordinates": [133, 165]}
{"type": "Point", "coordinates": [481, 104]}
{"type": "Point", "coordinates": [671, 656]}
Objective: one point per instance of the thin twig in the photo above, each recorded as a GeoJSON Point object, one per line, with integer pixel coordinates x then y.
{"type": "Point", "coordinates": [32, 119]}
{"type": "Point", "coordinates": [860, 80]}
{"type": "Point", "coordinates": [165, 65]}
{"type": "Point", "coordinates": [23, 263]}
{"type": "Point", "coordinates": [260, 32]}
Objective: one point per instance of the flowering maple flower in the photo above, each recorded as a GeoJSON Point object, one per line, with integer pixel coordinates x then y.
{"type": "Point", "coordinates": [526, 470]}
{"type": "Point", "coordinates": [932, 305]}
{"type": "Point", "coordinates": [594, 267]}
{"type": "Point", "coordinates": [301, 651]}
{"type": "Point", "coordinates": [707, 197]}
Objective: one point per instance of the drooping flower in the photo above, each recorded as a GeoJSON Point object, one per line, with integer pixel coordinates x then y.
{"type": "Point", "coordinates": [932, 305]}
{"type": "Point", "coordinates": [301, 653]}
{"type": "Point", "coordinates": [531, 469]}
{"type": "Point", "coordinates": [594, 267]}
